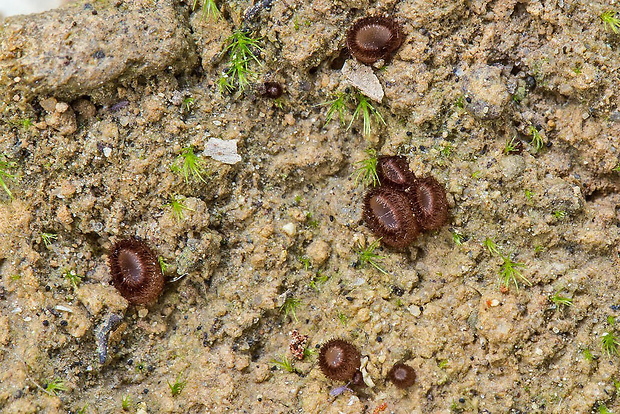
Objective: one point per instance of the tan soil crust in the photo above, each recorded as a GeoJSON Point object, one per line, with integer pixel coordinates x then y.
{"type": "Point", "coordinates": [93, 173]}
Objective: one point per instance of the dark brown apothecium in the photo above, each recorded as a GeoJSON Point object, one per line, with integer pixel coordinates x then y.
{"type": "Point", "coordinates": [135, 271]}
{"type": "Point", "coordinates": [394, 170]}
{"type": "Point", "coordinates": [373, 38]}
{"type": "Point", "coordinates": [389, 214]}
{"type": "Point", "coordinates": [339, 360]}
{"type": "Point", "coordinates": [403, 376]}
{"type": "Point", "coordinates": [429, 203]}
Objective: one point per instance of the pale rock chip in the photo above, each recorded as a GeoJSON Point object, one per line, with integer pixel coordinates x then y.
{"type": "Point", "coordinates": [223, 151]}
{"type": "Point", "coordinates": [365, 374]}
{"type": "Point", "coordinates": [363, 78]}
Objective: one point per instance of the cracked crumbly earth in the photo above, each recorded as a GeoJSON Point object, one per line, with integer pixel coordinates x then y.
{"type": "Point", "coordinates": [512, 105]}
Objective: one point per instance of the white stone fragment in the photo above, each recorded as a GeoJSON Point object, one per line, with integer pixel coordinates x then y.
{"type": "Point", "coordinates": [289, 228]}
{"type": "Point", "coordinates": [365, 375]}
{"type": "Point", "coordinates": [142, 408]}
{"type": "Point", "coordinates": [223, 151]}
{"type": "Point", "coordinates": [62, 107]}
{"type": "Point", "coordinates": [363, 78]}
{"type": "Point", "coordinates": [359, 282]}
{"type": "Point", "coordinates": [415, 310]}
{"type": "Point", "coordinates": [353, 400]}
{"type": "Point", "coordinates": [63, 308]}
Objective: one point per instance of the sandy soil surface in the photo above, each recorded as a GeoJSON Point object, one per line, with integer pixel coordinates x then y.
{"type": "Point", "coordinates": [99, 100]}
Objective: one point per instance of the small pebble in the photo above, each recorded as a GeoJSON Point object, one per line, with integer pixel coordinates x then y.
{"type": "Point", "coordinates": [415, 310]}
{"type": "Point", "coordinates": [62, 107]}
{"type": "Point", "coordinates": [289, 228]}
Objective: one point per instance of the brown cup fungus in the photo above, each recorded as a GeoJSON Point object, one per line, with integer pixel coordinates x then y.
{"type": "Point", "coordinates": [339, 360]}
{"type": "Point", "coordinates": [402, 375]}
{"type": "Point", "coordinates": [373, 38]}
{"type": "Point", "coordinates": [389, 214]}
{"type": "Point", "coordinates": [135, 271]}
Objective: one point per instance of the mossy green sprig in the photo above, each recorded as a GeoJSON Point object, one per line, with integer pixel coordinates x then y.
{"type": "Point", "coordinates": [241, 49]}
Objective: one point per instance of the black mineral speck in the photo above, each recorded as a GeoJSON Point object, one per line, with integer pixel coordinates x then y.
{"type": "Point", "coordinates": [530, 82]}
{"type": "Point", "coordinates": [46, 322]}
{"type": "Point", "coordinates": [398, 291]}
{"type": "Point", "coordinates": [64, 323]}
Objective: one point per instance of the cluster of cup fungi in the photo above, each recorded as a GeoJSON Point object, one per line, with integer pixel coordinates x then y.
{"type": "Point", "coordinates": [340, 360]}
{"type": "Point", "coordinates": [398, 211]}
{"type": "Point", "coordinates": [403, 205]}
